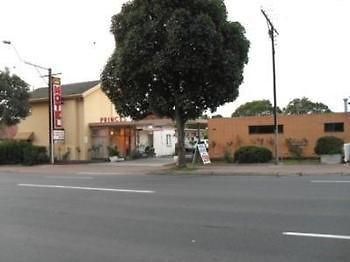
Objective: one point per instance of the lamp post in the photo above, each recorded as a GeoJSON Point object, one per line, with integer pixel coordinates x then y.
{"type": "Point", "coordinates": [346, 103]}
{"type": "Point", "coordinates": [50, 98]}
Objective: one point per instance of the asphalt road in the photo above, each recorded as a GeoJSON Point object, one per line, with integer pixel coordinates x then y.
{"type": "Point", "coordinates": [173, 218]}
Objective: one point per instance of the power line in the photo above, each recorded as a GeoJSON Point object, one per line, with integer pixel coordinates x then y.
{"type": "Point", "coordinates": [25, 62]}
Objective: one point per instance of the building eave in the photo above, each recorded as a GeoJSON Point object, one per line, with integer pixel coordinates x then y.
{"type": "Point", "coordinates": [39, 100]}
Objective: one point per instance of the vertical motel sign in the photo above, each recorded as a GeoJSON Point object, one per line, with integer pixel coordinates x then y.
{"type": "Point", "coordinates": [57, 108]}
{"type": "Point", "coordinates": [57, 102]}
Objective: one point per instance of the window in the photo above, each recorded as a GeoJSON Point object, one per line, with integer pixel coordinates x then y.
{"type": "Point", "coordinates": [334, 127]}
{"type": "Point", "coordinates": [168, 140]}
{"type": "Point", "coordinates": [266, 129]}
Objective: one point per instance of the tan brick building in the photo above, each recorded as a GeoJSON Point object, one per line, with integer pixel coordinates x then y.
{"type": "Point", "coordinates": [228, 134]}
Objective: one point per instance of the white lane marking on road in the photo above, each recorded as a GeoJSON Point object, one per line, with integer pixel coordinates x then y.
{"type": "Point", "coordinates": [69, 177]}
{"type": "Point", "coordinates": [89, 188]}
{"type": "Point", "coordinates": [330, 181]}
{"type": "Point", "coordinates": [316, 235]}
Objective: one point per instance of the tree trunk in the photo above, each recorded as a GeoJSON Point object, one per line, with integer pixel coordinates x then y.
{"type": "Point", "coordinates": [180, 125]}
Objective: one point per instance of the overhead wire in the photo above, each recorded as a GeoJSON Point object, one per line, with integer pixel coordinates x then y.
{"type": "Point", "coordinates": [23, 61]}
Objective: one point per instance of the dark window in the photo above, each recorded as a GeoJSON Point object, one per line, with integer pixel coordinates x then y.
{"type": "Point", "coordinates": [334, 127]}
{"type": "Point", "coordinates": [268, 129]}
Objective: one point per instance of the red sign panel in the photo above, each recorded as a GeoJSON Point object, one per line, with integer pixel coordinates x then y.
{"type": "Point", "coordinates": [57, 103]}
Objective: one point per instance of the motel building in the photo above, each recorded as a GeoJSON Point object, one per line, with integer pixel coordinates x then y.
{"type": "Point", "coordinates": [226, 135]}
{"type": "Point", "coordinates": [90, 124]}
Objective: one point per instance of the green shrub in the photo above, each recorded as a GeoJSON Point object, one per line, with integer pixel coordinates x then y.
{"type": "Point", "coordinates": [253, 154]}
{"type": "Point", "coordinates": [33, 155]}
{"type": "Point", "coordinates": [112, 151]}
{"type": "Point", "coordinates": [15, 152]}
{"type": "Point", "coordinates": [328, 145]}
{"type": "Point", "coordinates": [228, 157]}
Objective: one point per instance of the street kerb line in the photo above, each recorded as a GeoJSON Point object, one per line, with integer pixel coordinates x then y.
{"type": "Point", "coordinates": [99, 173]}
{"type": "Point", "coordinates": [330, 236]}
{"type": "Point", "coordinates": [69, 177]}
{"type": "Point", "coordinates": [89, 188]}
{"type": "Point", "coordinates": [330, 181]}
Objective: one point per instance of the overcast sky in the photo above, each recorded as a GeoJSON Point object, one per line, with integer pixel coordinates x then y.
{"type": "Point", "coordinates": [72, 37]}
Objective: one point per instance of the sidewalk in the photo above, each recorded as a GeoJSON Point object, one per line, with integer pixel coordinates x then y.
{"type": "Point", "coordinates": [166, 168]}
{"type": "Point", "coordinates": [138, 167]}
{"type": "Point", "coordinates": [83, 169]}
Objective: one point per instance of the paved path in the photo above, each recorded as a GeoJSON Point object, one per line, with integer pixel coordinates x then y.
{"type": "Point", "coordinates": [141, 166]}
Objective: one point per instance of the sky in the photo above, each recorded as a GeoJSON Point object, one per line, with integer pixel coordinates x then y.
{"type": "Point", "coordinates": [73, 38]}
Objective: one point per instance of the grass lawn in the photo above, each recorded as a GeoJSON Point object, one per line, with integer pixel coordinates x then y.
{"type": "Point", "coordinates": [300, 161]}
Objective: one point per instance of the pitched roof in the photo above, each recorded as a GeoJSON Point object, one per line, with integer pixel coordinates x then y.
{"type": "Point", "coordinates": [68, 90]}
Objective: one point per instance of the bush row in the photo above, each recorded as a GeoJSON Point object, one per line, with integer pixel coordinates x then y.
{"type": "Point", "coordinates": [16, 152]}
{"type": "Point", "coordinates": [252, 154]}
{"type": "Point", "coordinates": [329, 145]}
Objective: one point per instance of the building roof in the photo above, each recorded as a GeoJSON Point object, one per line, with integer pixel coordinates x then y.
{"type": "Point", "coordinates": [156, 122]}
{"type": "Point", "coordinates": [75, 89]}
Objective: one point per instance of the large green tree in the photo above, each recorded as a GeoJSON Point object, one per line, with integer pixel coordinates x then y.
{"type": "Point", "coordinates": [14, 99]}
{"type": "Point", "coordinates": [255, 108]}
{"type": "Point", "coordinates": [302, 106]}
{"type": "Point", "coordinates": [174, 58]}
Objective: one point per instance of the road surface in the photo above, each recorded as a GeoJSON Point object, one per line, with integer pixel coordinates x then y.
{"type": "Point", "coordinates": [101, 217]}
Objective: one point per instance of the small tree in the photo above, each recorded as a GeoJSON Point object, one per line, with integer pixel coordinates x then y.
{"type": "Point", "coordinates": [176, 59]}
{"type": "Point", "coordinates": [14, 99]}
{"type": "Point", "coordinates": [255, 108]}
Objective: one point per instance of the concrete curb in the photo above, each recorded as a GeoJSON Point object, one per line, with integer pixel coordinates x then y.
{"type": "Point", "coordinates": [222, 170]}
{"type": "Point", "coordinates": [246, 173]}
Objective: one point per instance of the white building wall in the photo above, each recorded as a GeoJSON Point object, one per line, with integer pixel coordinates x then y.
{"type": "Point", "coordinates": [164, 141]}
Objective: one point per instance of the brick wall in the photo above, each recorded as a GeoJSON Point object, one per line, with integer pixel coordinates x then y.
{"type": "Point", "coordinates": [228, 134]}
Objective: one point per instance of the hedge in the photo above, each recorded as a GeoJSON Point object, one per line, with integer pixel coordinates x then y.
{"type": "Point", "coordinates": [17, 152]}
{"type": "Point", "coordinates": [328, 145]}
{"type": "Point", "coordinates": [252, 154]}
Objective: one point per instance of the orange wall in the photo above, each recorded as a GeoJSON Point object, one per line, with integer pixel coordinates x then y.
{"type": "Point", "coordinates": [228, 134]}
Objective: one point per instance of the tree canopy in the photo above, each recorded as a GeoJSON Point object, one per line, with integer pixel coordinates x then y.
{"type": "Point", "coordinates": [297, 106]}
{"type": "Point", "coordinates": [301, 106]}
{"type": "Point", "coordinates": [217, 116]}
{"type": "Point", "coordinates": [174, 58]}
{"type": "Point", "coordinates": [255, 108]}
{"type": "Point", "coordinates": [14, 99]}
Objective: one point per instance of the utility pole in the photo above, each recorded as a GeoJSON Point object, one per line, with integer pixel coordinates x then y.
{"type": "Point", "coordinates": [272, 32]}
{"type": "Point", "coordinates": [50, 98]}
